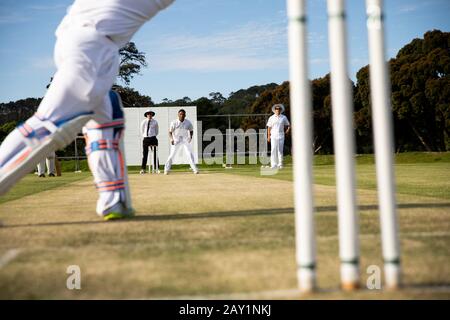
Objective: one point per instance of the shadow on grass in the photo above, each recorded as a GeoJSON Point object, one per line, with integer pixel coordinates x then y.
{"type": "Point", "coordinates": [222, 214]}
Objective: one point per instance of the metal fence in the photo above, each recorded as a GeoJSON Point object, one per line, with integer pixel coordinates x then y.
{"type": "Point", "coordinates": [229, 126]}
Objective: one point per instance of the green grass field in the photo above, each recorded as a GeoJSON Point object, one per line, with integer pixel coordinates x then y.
{"type": "Point", "coordinates": [226, 233]}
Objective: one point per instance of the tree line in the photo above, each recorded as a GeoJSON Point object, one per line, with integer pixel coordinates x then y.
{"type": "Point", "coordinates": [420, 86]}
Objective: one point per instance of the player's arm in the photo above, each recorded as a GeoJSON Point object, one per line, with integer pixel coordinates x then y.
{"type": "Point", "coordinates": [171, 129]}
{"type": "Point", "coordinates": [191, 131]}
{"type": "Point", "coordinates": [268, 133]}
{"type": "Point", "coordinates": [288, 129]}
{"type": "Point", "coordinates": [157, 128]}
{"type": "Point", "coordinates": [287, 126]}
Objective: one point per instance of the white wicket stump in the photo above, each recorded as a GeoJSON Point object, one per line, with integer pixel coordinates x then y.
{"type": "Point", "coordinates": [153, 162]}
{"type": "Point", "coordinates": [383, 138]}
{"type": "Point", "coordinates": [301, 119]}
{"type": "Point", "coordinates": [344, 145]}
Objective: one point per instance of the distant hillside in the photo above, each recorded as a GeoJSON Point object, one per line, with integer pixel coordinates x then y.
{"type": "Point", "coordinates": [18, 110]}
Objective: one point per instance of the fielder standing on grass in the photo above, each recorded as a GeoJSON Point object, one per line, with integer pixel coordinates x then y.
{"type": "Point", "coordinates": [180, 135]}
{"type": "Point", "coordinates": [149, 130]}
{"type": "Point", "coordinates": [50, 161]}
{"type": "Point", "coordinates": [277, 127]}
{"type": "Point", "coordinates": [87, 60]}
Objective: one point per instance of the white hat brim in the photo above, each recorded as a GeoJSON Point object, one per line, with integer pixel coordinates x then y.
{"type": "Point", "coordinates": [278, 105]}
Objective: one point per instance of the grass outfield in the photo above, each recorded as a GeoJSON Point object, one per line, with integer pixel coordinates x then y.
{"type": "Point", "coordinates": [422, 179]}
{"type": "Point", "coordinates": [220, 234]}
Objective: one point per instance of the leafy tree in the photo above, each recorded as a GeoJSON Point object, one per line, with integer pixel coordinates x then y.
{"type": "Point", "coordinates": [241, 100]}
{"type": "Point", "coordinates": [131, 62]}
{"type": "Point", "coordinates": [420, 88]}
{"type": "Point", "coordinates": [187, 100]}
{"type": "Point", "coordinates": [165, 102]}
{"type": "Point", "coordinates": [132, 98]}
{"type": "Point", "coordinates": [217, 98]}
{"type": "Point", "coordinates": [362, 112]}
{"type": "Point", "coordinates": [420, 96]}
{"type": "Point", "coordinates": [19, 110]}
{"type": "Point", "coordinates": [420, 100]}
{"type": "Point", "coordinates": [6, 128]}
{"type": "Point", "coordinates": [321, 103]}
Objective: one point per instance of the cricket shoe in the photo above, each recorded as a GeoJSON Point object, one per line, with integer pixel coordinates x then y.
{"type": "Point", "coordinates": [118, 211]}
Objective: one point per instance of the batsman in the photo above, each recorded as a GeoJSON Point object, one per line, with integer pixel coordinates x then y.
{"type": "Point", "coordinates": [80, 98]}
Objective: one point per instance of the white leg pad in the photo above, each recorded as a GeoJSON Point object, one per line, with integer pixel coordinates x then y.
{"type": "Point", "coordinates": [106, 156]}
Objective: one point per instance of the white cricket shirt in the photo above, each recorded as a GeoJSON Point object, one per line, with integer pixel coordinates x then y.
{"type": "Point", "coordinates": [277, 124]}
{"type": "Point", "coordinates": [181, 130]}
{"type": "Point", "coordinates": [153, 129]}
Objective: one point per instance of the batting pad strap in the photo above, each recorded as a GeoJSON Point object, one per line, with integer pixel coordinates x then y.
{"type": "Point", "coordinates": [102, 144]}
{"type": "Point", "coordinates": [53, 126]}
{"type": "Point", "coordinates": [35, 130]}
{"type": "Point", "coordinates": [110, 185]}
{"type": "Point", "coordinates": [39, 127]}
{"type": "Point", "coordinates": [113, 124]}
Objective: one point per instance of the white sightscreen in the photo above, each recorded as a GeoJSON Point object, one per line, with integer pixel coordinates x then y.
{"type": "Point", "coordinates": [164, 115]}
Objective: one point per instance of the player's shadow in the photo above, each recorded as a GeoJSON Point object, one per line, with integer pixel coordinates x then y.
{"type": "Point", "coordinates": [370, 207]}
{"type": "Point", "coordinates": [261, 212]}
{"type": "Point", "coordinates": [223, 214]}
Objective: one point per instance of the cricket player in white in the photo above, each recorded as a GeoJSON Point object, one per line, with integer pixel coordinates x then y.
{"type": "Point", "coordinates": [277, 126]}
{"type": "Point", "coordinates": [180, 135]}
{"type": "Point", "coordinates": [50, 161]}
{"type": "Point", "coordinates": [87, 60]}
{"type": "Point", "coordinates": [149, 131]}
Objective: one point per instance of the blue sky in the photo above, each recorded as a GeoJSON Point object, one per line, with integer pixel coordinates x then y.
{"type": "Point", "coordinates": [199, 46]}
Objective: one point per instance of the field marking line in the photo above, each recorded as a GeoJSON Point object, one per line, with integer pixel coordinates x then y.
{"type": "Point", "coordinates": [9, 256]}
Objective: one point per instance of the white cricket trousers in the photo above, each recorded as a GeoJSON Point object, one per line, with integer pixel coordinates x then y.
{"type": "Point", "coordinates": [87, 65]}
{"type": "Point", "coordinates": [50, 161]}
{"type": "Point", "coordinates": [276, 154]}
{"type": "Point", "coordinates": [173, 151]}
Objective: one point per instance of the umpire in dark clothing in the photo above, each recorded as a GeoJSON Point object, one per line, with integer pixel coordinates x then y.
{"type": "Point", "coordinates": [149, 131]}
